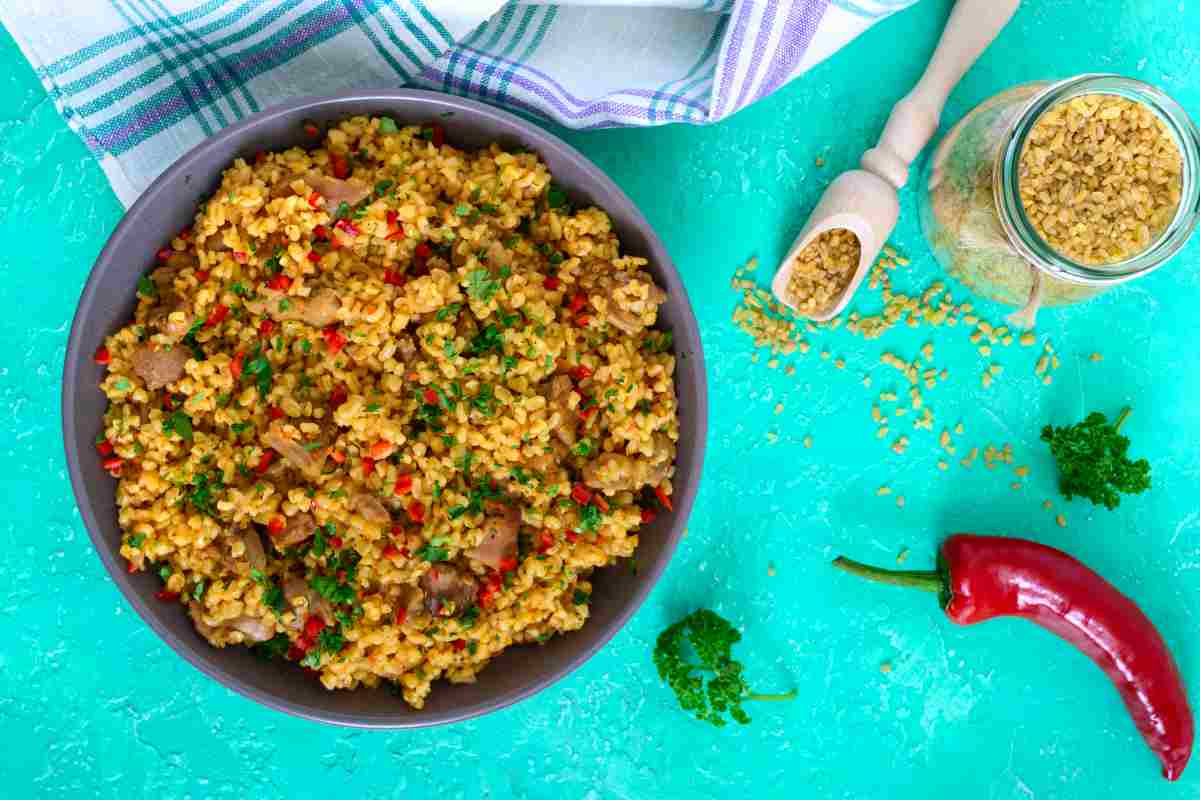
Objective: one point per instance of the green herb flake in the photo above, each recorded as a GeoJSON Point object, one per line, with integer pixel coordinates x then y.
{"type": "Point", "coordinates": [581, 597]}
{"type": "Point", "coordinates": [388, 125]}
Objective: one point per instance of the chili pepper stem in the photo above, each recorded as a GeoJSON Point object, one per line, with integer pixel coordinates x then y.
{"type": "Point", "coordinates": [1121, 419]}
{"type": "Point", "coordinates": [926, 581]}
{"type": "Point", "coordinates": [785, 696]}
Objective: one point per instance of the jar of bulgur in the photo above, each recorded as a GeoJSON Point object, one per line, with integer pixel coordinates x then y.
{"type": "Point", "coordinates": [1050, 193]}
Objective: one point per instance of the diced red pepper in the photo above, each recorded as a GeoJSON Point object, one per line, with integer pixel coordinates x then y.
{"type": "Point", "coordinates": [341, 168]}
{"type": "Point", "coordinates": [395, 235]}
{"type": "Point", "coordinates": [113, 465]}
{"type": "Point", "coordinates": [397, 529]}
{"type": "Point", "coordinates": [648, 515]}
{"type": "Point", "coordinates": [266, 327]}
{"type": "Point", "coordinates": [164, 253]}
{"type": "Point", "coordinates": [264, 461]}
{"type": "Point", "coordinates": [105, 448]}
{"type": "Point", "coordinates": [416, 511]}
{"type": "Point", "coordinates": [404, 485]}
{"type": "Point", "coordinates": [219, 313]}
{"type": "Point", "coordinates": [313, 256]}
{"type": "Point", "coordinates": [339, 395]}
{"type": "Point", "coordinates": [586, 411]}
{"type": "Point", "coordinates": [576, 303]}
{"type": "Point", "coordinates": [551, 283]}
{"type": "Point", "coordinates": [260, 157]}
{"type": "Point", "coordinates": [168, 402]}
{"type": "Point", "coordinates": [311, 129]}
{"type": "Point", "coordinates": [392, 217]}
{"type": "Point", "coordinates": [572, 536]}
{"type": "Point", "coordinates": [186, 233]}
{"type": "Point", "coordinates": [167, 597]}
{"type": "Point", "coordinates": [582, 320]}
{"type": "Point", "coordinates": [275, 412]}
{"type": "Point", "coordinates": [201, 275]}
{"type": "Point", "coordinates": [335, 340]}
{"type": "Point", "coordinates": [275, 526]}
{"type": "Point", "coordinates": [599, 502]}
{"type": "Point", "coordinates": [313, 626]}
{"type": "Point", "coordinates": [320, 232]}
{"type": "Point", "coordinates": [280, 283]}
{"type": "Point", "coordinates": [295, 652]}
{"type": "Point", "coordinates": [131, 567]}
{"type": "Point", "coordinates": [580, 494]}
{"type": "Point", "coordinates": [507, 564]}
{"type": "Point", "coordinates": [336, 542]}
{"type": "Point", "coordinates": [401, 615]}
{"type": "Point", "coordinates": [240, 256]}
{"type": "Point", "coordinates": [347, 227]}
{"type": "Point", "coordinates": [368, 466]}
{"type": "Point", "coordinates": [235, 366]}
{"type": "Point", "coordinates": [663, 498]}
{"type": "Point", "coordinates": [581, 373]}
{"type": "Point", "coordinates": [422, 252]}
{"type": "Point", "coordinates": [391, 551]}
{"type": "Point", "coordinates": [393, 278]}
{"type": "Point", "coordinates": [439, 135]}
{"type": "Point", "coordinates": [430, 396]}
{"type": "Point", "coordinates": [338, 456]}
{"type": "Point", "coordinates": [545, 542]}
{"type": "Point", "coordinates": [314, 199]}
{"type": "Point", "coordinates": [102, 356]}
{"type": "Point", "coordinates": [459, 645]}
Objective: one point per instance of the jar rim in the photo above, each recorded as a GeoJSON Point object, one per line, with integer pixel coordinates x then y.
{"type": "Point", "coordinates": [1011, 209]}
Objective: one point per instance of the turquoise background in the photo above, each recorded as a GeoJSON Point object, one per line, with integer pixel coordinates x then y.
{"type": "Point", "coordinates": [93, 705]}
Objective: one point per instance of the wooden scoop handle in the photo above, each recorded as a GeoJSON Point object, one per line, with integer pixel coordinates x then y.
{"type": "Point", "coordinates": [972, 26]}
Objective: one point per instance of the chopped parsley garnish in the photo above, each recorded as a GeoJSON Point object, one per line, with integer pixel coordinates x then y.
{"type": "Point", "coordinates": [136, 540]}
{"type": "Point", "coordinates": [164, 571]}
{"type": "Point", "coordinates": [198, 589]}
{"type": "Point", "coordinates": [584, 447]}
{"type": "Point", "coordinates": [555, 196]}
{"type": "Point", "coordinates": [180, 423]}
{"type": "Point", "coordinates": [189, 339]}
{"type": "Point", "coordinates": [239, 289]}
{"type": "Point", "coordinates": [260, 368]}
{"type": "Point", "coordinates": [469, 617]}
{"type": "Point", "coordinates": [146, 287]}
{"type": "Point", "coordinates": [343, 210]}
{"type": "Point", "coordinates": [272, 595]}
{"type": "Point", "coordinates": [238, 427]}
{"type": "Point", "coordinates": [447, 312]}
{"type": "Point", "coordinates": [658, 341]}
{"type": "Point", "coordinates": [488, 208]}
{"type": "Point", "coordinates": [381, 187]}
{"type": "Point", "coordinates": [481, 285]}
{"type": "Point", "coordinates": [488, 340]}
{"type": "Point", "coordinates": [589, 518]}
{"type": "Point", "coordinates": [581, 597]}
{"type": "Point", "coordinates": [122, 385]}
{"type": "Point", "coordinates": [272, 649]}
{"type": "Point", "coordinates": [434, 550]}
{"type": "Point", "coordinates": [388, 125]}
{"type": "Point", "coordinates": [462, 209]}
{"type": "Point", "coordinates": [201, 494]}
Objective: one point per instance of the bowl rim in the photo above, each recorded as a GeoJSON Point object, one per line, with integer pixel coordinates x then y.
{"type": "Point", "coordinates": [540, 140]}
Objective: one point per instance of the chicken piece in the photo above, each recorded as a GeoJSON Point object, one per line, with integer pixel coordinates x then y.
{"type": "Point", "coordinates": [337, 191]}
{"type": "Point", "coordinates": [370, 508]}
{"type": "Point", "coordinates": [294, 588]}
{"type": "Point", "coordinates": [318, 309]}
{"type": "Point", "coordinates": [297, 530]}
{"type": "Point", "coordinates": [558, 397]}
{"type": "Point", "coordinates": [448, 591]}
{"type": "Point", "coordinates": [256, 557]}
{"type": "Point", "coordinates": [252, 628]}
{"type": "Point", "coordinates": [310, 463]}
{"type": "Point", "coordinates": [406, 349]}
{"type": "Point", "coordinates": [499, 542]}
{"type": "Point", "coordinates": [159, 367]}
{"type": "Point", "coordinates": [615, 472]}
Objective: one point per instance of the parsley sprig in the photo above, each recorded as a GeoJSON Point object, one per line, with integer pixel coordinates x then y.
{"type": "Point", "coordinates": [712, 639]}
{"type": "Point", "coordinates": [1093, 462]}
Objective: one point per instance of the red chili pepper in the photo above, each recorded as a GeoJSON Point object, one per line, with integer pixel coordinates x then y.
{"type": "Point", "coordinates": [102, 356]}
{"type": "Point", "coordinates": [235, 366]}
{"type": "Point", "coordinates": [280, 283]}
{"type": "Point", "coordinates": [219, 313]}
{"type": "Point", "coordinates": [295, 653]}
{"type": "Point", "coordinates": [981, 577]}
{"type": "Point", "coordinates": [648, 515]}
{"type": "Point", "coordinates": [580, 494]}
{"type": "Point", "coordinates": [113, 465]}
{"type": "Point", "coordinates": [168, 402]}
{"type": "Point", "coordinates": [185, 234]}
{"type": "Point", "coordinates": [416, 511]}
{"type": "Point", "coordinates": [395, 234]}
{"type": "Point", "coordinates": [459, 645]}
{"type": "Point", "coordinates": [663, 498]}
{"type": "Point", "coordinates": [581, 373]}
{"type": "Point", "coordinates": [314, 199]}
{"type": "Point", "coordinates": [392, 217]}
{"type": "Point", "coordinates": [264, 461]}
{"type": "Point", "coordinates": [430, 396]}
{"type": "Point", "coordinates": [275, 412]}
{"type": "Point", "coordinates": [321, 233]}
{"type": "Point", "coordinates": [368, 467]}
{"type": "Point", "coordinates": [260, 157]}
{"type": "Point", "coordinates": [167, 597]}
{"type": "Point", "coordinates": [201, 275]}
{"type": "Point", "coordinates": [266, 327]}
{"type": "Point", "coordinates": [336, 542]}
{"type": "Point", "coordinates": [275, 526]}
{"type": "Point", "coordinates": [131, 567]}
{"type": "Point", "coordinates": [401, 615]}
{"type": "Point", "coordinates": [393, 278]}
{"type": "Point", "coordinates": [571, 536]}
{"type": "Point", "coordinates": [577, 303]}
{"type": "Point", "coordinates": [587, 408]}
{"type": "Point", "coordinates": [391, 551]}
{"type": "Point", "coordinates": [313, 256]}
{"type": "Point", "coordinates": [339, 395]}
{"type": "Point", "coordinates": [550, 284]}
{"type": "Point", "coordinates": [404, 485]}
{"type": "Point", "coordinates": [341, 168]}
{"type": "Point", "coordinates": [335, 340]}
{"type": "Point", "coordinates": [105, 447]}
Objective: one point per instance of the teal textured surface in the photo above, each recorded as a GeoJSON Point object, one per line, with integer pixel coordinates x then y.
{"type": "Point", "coordinates": [96, 706]}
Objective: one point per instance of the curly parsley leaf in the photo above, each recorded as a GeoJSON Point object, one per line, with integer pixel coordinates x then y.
{"type": "Point", "coordinates": [711, 638]}
{"type": "Point", "coordinates": [481, 285]}
{"type": "Point", "coordinates": [1093, 461]}
{"type": "Point", "coordinates": [179, 423]}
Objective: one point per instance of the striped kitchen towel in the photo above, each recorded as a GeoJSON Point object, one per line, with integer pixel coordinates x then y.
{"type": "Point", "coordinates": [142, 81]}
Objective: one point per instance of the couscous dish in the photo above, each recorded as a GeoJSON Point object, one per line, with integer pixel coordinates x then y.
{"type": "Point", "coordinates": [385, 406]}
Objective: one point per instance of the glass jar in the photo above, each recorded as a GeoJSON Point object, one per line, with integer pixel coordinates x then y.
{"type": "Point", "coordinates": [973, 218]}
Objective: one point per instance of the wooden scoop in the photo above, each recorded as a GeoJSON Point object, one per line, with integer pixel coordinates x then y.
{"type": "Point", "coordinates": [864, 201]}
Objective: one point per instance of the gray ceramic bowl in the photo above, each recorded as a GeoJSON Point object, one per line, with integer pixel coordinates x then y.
{"type": "Point", "coordinates": [108, 302]}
